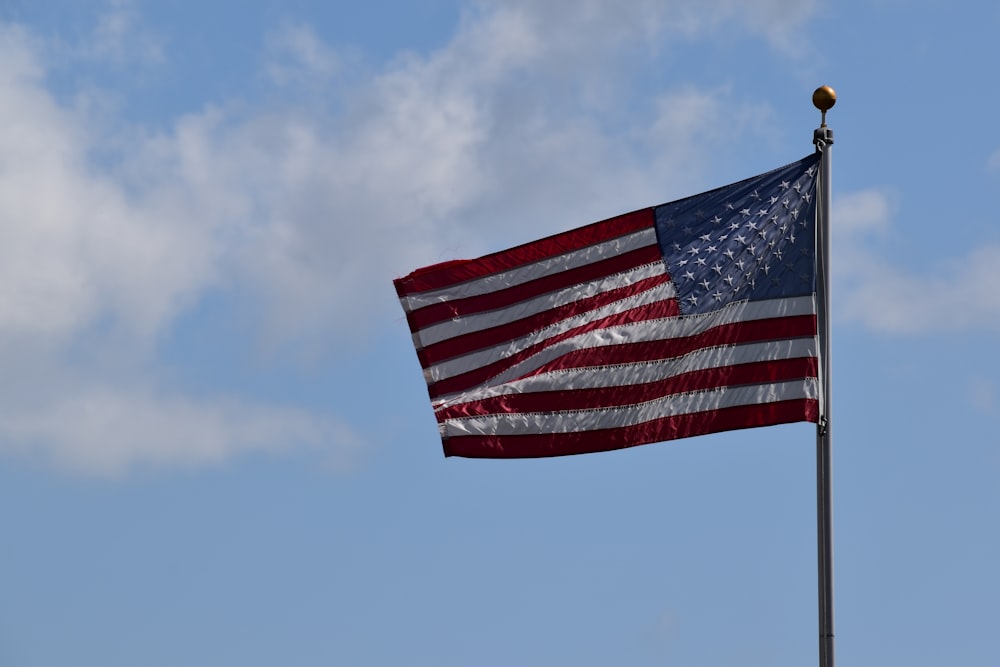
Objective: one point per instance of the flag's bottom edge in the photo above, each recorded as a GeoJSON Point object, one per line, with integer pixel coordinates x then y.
{"type": "Point", "coordinates": [538, 445]}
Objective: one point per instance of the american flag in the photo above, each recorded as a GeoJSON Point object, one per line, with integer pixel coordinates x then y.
{"type": "Point", "coordinates": [682, 319]}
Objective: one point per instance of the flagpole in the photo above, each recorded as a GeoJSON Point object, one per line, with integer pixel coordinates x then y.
{"type": "Point", "coordinates": [823, 99]}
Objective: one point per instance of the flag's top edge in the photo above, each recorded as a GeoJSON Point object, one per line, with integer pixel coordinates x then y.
{"type": "Point", "coordinates": [448, 274]}
{"type": "Point", "coordinates": [454, 272]}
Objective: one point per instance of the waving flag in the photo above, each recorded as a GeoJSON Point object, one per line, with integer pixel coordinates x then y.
{"type": "Point", "coordinates": [683, 319]}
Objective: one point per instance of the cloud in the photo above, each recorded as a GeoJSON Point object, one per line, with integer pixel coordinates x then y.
{"type": "Point", "coordinates": [307, 206]}
{"type": "Point", "coordinates": [575, 25]}
{"type": "Point", "coordinates": [297, 56]}
{"type": "Point", "coordinates": [95, 267]}
{"type": "Point", "coordinates": [301, 214]}
{"type": "Point", "coordinates": [299, 207]}
{"type": "Point", "coordinates": [960, 293]}
{"type": "Point", "coordinates": [75, 247]}
{"type": "Point", "coordinates": [106, 431]}
{"type": "Point", "coordinates": [983, 395]}
{"type": "Point", "coordinates": [121, 37]}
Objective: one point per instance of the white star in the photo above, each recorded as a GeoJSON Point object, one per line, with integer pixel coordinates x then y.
{"type": "Point", "coordinates": [705, 237]}
{"type": "Point", "coordinates": [729, 280]}
{"type": "Point", "coordinates": [784, 186]}
{"type": "Point", "coordinates": [798, 188]}
{"type": "Point", "coordinates": [730, 206]}
{"type": "Point", "coordinates": [688, 275]}
{"type": "Point", "coordinates": [722, 237]}
{"type": "Point", "coordinates": [716, 220]}
{"type": "Point", "coordinates": [786, 203]}
{"type": "Point", "coordinates": [711, 249]}
{"type": "Point", "coordinates": [811, 170]}
{"type": "Point", "coordinates": [677, 246]}
{"type": "Point", "coordinates": [701, 261]}
{"type": "Point", "coordinates": [745, 211]}
{"type": "Point", "coordinates": [773, 200]}
{"type": "Point", "coordinates": [751, 225]}
{"type": "Point", "coordinates": [705, 284]}
{"type": "Point", "coordinates": [762, 234]}
{"type": "Point", "coordinates": [693, 251]}
{"type": "Point", "coordinates": [729, 253]}
{"type": "Point", "coordinates": [718, 295]}
{"type": "Point", "coordinates": [755, 196]}
{"type": "Point", "coordinates": [740, 264]}
{"type": "Point", "coordinates": [762, 211]}
{"type": "Point", "coordinates": [742, 239]}
{"type": "Point", "coordinates": [734, 226]}
{"type": "Point", "coordinates": [693, 299]}
{"type": "Point", "coordinates": [717, 268]}
{"type": "Point", "coordinates": [808, 197]}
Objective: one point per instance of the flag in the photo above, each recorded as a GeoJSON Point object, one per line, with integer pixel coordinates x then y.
{"type": "Point", "coordinates": [683, 319]}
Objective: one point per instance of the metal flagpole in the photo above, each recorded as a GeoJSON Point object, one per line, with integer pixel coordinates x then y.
{"type": "Point", "coordinates": [823, 99]}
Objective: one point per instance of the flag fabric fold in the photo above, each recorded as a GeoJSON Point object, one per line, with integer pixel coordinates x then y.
{"type": "Point", "coordinates": [683, 319]}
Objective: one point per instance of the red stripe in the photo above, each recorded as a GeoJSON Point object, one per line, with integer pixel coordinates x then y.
{"type": "Point", "coordinates": [447, 310]}
{"type": "Point", "coordinates": [778, 328]}
{"type": "Point", "coordinates": [513, 330]}
{"type": "Point", "coordinates": [452, 273]}
{"type": "Point", "coordinates": [652, 311]}
{"type": "Point", "coordinates": [667, 428]}
{"type": "Point", "coordinates": [763, 372]}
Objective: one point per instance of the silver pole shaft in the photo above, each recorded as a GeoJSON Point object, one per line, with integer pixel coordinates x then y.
{"type": "Point", "coordinates": [823, 138]}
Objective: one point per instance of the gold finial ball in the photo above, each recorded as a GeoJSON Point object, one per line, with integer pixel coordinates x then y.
{"type": "Point", "coordinates": [824, 98]}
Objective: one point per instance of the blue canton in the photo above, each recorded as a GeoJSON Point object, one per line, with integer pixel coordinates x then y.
{"type": "Point", "coordinates": [743, 242]}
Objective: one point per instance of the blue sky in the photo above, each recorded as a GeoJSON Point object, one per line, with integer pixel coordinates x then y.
{"type": "Point", "coordinates": [215, 443]}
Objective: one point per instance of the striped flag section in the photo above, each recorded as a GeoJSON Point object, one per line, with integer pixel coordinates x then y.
{"type": "Point", "coordinates": [683, 319]}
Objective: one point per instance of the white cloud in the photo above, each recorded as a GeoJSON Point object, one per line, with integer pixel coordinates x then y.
{"type": "Point", "coordinates": [121, 37]}
{"type": "Point", "coordinates": [579, 25]}
{"type": "Point", "coordinates": [304, 207]}
{"type": "Point", "coordinates": [108, 430]}
{"type": "Point", "coordinates": [298, 56]}
{"type": "Point", "coordinates": [304, 214]}
{"type": "Point", "coordinates": [983, 395]}
{"type": "Point", "coordinates": [94, 267]}
{"type": "Point", "coordinates": [74, 246]}
{"type": "Point", "coordinates": [871, 289]}
{"type": "Point", "coordinates": [862, 212]}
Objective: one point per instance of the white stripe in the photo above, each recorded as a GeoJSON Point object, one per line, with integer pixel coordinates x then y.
{"type": "Point", "coordinates": [446, 329]}
{"type": "Point", "coordinates": [473, 360]}
{"type": "Point", "coordinates": [603, 418]}
{"type": "Point", "coordinates": [647, 330]}
{"type": "Point", "coordinates": [528, 272]}
{"type": "Point", "coordinates": [620, 375]}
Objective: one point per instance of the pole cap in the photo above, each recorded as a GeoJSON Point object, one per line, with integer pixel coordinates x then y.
{"type": "Point", "coordinates": [824, 98]}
